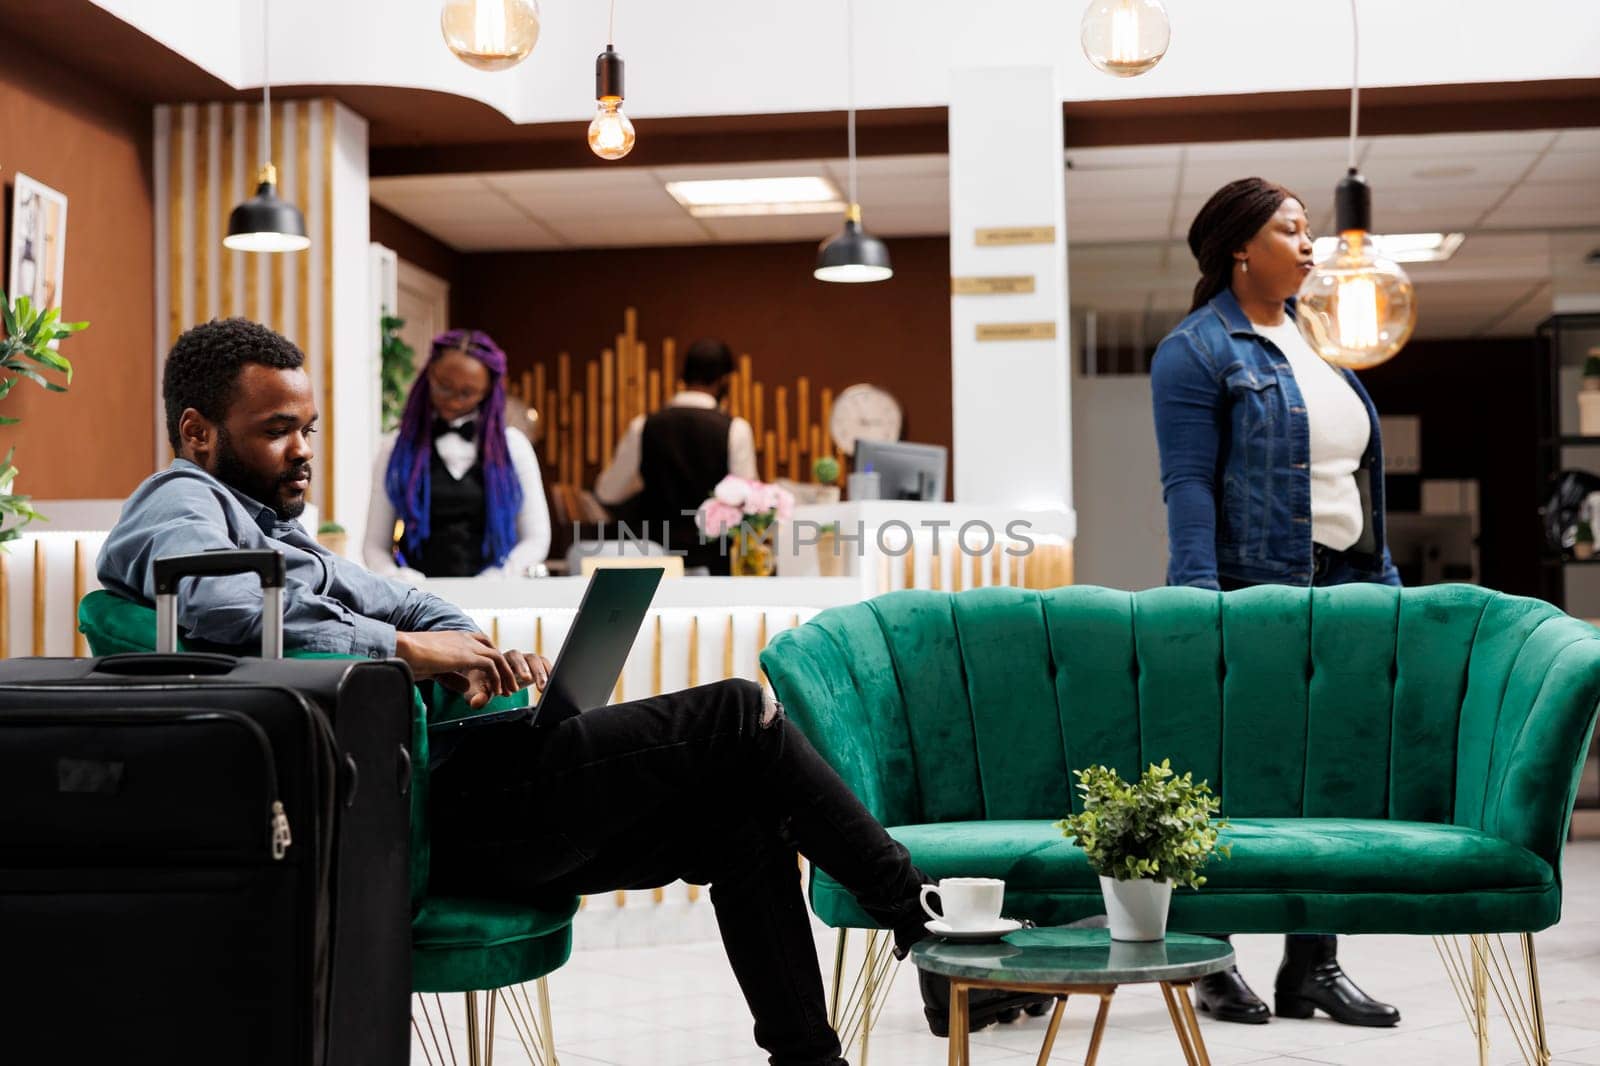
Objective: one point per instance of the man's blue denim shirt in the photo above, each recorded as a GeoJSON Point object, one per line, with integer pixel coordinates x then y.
{"type": "Point", "coordinates": [1236, 458]}
{"type": "Point", "coordinates": [329, 605]}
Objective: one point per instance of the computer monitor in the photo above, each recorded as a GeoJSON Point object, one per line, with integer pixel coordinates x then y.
{"type": "Point", "coordinates": [905, 471]}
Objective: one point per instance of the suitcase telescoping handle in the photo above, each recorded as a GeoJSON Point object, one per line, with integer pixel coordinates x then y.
{"type": "Point", "coordinates": [263, 562]}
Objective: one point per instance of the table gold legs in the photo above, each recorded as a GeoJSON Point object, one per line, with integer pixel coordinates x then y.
{"type": "Point", "coordinates": [1099, 1027]}
{"type": "Point", "coordinates": [1185, 1023]}
{"type": "Point", "coordinates": [959, 1033]}
{"type": "Point", "coordinates": [959, 1053]}
{"type": "Point", "coordinates": [1055, 1027]}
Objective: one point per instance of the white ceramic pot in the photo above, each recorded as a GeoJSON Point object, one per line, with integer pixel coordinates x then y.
{"type": "Point", "coordinates": [1589, 413]}
{"type": "Point", "coordinates": [1137, 910]}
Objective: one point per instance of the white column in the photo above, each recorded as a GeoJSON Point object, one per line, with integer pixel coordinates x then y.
{"type": "Point", "coordinates": [355, 399]}
{"type": "Point", "coordinates": [1010, 397]}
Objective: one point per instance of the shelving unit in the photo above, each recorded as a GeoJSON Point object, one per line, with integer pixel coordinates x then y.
{"type": "Point", "coordinates": [1564, 341]}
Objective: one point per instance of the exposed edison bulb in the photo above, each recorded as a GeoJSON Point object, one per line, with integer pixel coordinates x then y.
{"type": "Point", "coordinates": [490, 34]}
{"type": "Point", "coordinates": [1125, 37]}
{"type": "Point", "coordinates": [610, 131]}
{"type": "Point", "coordinates": [1356, 309]}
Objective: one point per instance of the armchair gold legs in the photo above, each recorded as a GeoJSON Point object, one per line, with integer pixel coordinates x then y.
{"type": "Point", "coordinates": [1480, 964]}
{"type": "Point", "coordinates": [483, 1010]}
{"type": "Point", "coordinates": [853, 1015]}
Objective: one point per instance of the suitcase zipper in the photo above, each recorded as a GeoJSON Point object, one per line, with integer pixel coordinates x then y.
{"type": "Point", "coordinates": [278, 834]}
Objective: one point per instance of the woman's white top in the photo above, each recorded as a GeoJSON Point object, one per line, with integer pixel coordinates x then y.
{"type": "Point", "coordinates": [1340, 432]}
{"type": "Point", "coordinates": [533, 521]}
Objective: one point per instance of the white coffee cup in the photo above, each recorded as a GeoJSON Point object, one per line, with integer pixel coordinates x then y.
{"type": "Point", "coordinates": [967, 902]}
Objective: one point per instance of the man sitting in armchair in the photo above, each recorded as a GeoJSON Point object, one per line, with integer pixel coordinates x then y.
{"type": "Point", "coordinates": [571, 809]}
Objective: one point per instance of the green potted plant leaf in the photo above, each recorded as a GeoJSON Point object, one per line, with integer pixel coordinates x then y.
{"type": "Point", "coordinates": [26, 354]}
{"type": "Point", "coordinates": [1582, 540]}
{"type": "Point", "coordinates": [1143, 838]}
{"type": "Point", "coordinates": [397, 366]}
{"type": "Point", "coordinates": [331, 535]}
{"type": "Point", "coordinates": [1591, 370]}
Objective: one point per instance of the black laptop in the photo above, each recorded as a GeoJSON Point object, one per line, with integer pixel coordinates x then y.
{"type": "Point", "coordinates": [592, 657]}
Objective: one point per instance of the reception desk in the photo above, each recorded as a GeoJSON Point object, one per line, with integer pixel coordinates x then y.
{"type": "Point", "coordinates": [884, 545]}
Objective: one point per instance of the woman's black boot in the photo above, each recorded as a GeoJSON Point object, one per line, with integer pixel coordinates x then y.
{"type": "Point", "coordinates": [1310, 979]}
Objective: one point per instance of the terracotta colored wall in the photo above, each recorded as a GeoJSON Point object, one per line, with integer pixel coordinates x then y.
{"type": "Point", "coordinates": [760, 298]}
{"type": "Point", "coordinates": [96, 440]}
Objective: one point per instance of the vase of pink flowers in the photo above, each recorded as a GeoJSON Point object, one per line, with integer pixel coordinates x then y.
{"type": "Point", "coordinates": [742, 513]}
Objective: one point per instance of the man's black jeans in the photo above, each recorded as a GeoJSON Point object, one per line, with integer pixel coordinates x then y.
{"type": "Point", "coordinates": [692, 785]}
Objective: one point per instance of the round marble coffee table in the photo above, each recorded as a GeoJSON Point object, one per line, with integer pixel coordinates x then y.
{"type": "Point", "coordinates": [1065, 962]}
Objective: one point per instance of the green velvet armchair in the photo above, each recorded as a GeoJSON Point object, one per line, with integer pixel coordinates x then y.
{"type": "Point", "coordinates": [485, 949]}
{"type": "Point", "coordinates": [1390, 761]}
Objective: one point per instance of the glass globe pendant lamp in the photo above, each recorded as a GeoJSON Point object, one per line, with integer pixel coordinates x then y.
{"type": "Point", "coordinates": [611, 133]}
{"type": "Point", "coordinates": [1356, 309]}
{"type": "Point", "coordinates": [490, 34]}
{"type": "Point", "coordinates": [1125, 38]}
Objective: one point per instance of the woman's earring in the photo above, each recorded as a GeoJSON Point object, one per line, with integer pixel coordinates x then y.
{"type": "Point", "coordinates": [1244, 265]}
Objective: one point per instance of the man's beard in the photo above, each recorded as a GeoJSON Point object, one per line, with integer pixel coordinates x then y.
{"type": "Point", "coordinates": [232, 470]}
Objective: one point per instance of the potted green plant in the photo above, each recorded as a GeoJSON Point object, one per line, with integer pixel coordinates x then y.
{"type": "Point", "coordinates": [397, 366]}
{"type": "Point", "coordinates": [1583, 540]}
{"type": "Point", "coordinates": [1143, 838]}
{"type": "Point", "coordinates": [27, 354]}
{"type": "Point", "coordinates": [331, 535]}
{"type": "Point", "coordinates": [1591, 370]}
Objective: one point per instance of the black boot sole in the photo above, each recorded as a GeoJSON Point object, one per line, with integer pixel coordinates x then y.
{"type": "Point", "coordinates": [1300, 1007]}
{"type": "Point", "coordinates": [1261, 1018]}
{"type": "Point", "coordinates": [1005, 1011]}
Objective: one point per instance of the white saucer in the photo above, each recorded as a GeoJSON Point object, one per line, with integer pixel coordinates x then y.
{"type": "Point", "coordinates": [990, 932]}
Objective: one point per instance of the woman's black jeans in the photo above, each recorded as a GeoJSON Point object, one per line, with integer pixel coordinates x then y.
{"type": "Point", "coordinates": [708, 785]}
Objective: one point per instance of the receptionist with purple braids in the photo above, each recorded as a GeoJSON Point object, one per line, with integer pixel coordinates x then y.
{"type": "Point", "coordinates": [465, 487]}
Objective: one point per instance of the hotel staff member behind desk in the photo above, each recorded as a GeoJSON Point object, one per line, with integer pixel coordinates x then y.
{"type": "Point", "coordinates": [465, 484]}
{"type": "Point", "coordinates": [668, 462]}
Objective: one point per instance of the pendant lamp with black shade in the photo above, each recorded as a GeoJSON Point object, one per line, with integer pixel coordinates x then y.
{"type": "Point", "coordinates": [1357, 308]}
{"type": "Point", "coordinates": [854, 255]}
{"type": "Point", "coordinates": [266, 222]}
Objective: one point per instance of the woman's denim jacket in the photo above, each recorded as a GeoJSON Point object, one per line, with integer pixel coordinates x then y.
{"type": "Point", "coordinates": [1235, 458]}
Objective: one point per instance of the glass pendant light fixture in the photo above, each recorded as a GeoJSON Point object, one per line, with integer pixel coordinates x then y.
{"type": "Point", "coordinates": [1356, 309]}
{"type": "Point", "coordinates": [266, 223]}
{"type": "Point", "coordinates": [490, 34]}
{"type": "Point", "coordinates": [1125, 37]}
{"type": "Point", "coordinates": [854, 255]}
{"type": "Point", "coordinates": [610, 131]}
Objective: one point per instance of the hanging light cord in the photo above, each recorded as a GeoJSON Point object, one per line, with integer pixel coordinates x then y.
{"type": "Point", "coordinates": [266, 89]}
{"type": "Point", "coordinates": [1355, 82]}
{"type": "Point", "coordinates": [611, 25]}
{"type": "Point", "coordinates": [850, 88]}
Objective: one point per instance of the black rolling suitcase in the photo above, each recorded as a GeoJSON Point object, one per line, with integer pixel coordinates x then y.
{"type": "Point", "coordinates": [203, 859]}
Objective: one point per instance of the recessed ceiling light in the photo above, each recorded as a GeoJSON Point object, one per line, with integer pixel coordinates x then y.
{"type": "Point", "coordinates": [757, 196]}
{"type": "Point", "coordinates": [1401, 247]}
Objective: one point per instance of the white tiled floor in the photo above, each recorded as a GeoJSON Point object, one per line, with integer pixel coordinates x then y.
{"type": "Point", "coordinates": [678, 1005]}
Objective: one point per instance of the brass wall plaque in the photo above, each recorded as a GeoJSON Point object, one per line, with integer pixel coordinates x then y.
{"type": "Point", "coordinates": [978, 286]}
{"type": "Point", "coordinates": [1017, 235]}
{"type": "Point", "coordinates": [1017, 331]}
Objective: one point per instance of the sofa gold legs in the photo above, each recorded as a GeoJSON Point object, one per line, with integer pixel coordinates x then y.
{"type": "Point", "coordinates": [1481, 964]}
{"type": "Point", "coordinates": [853, 1014]}
{"type": "Point", "coordinates": [483, 1011]}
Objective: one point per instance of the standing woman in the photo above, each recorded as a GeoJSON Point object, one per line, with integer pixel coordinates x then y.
{"type": "Point", "coordinates": [1272, 472]}
{"type": "Point", "coordinates": [466, 486]}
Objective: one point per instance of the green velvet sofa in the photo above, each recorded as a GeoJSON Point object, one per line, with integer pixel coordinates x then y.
{"type": "Point", "coordinates": [1390, 760]}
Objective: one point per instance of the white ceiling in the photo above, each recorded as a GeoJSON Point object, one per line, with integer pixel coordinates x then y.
{"type": "Point", "coordinates": [1127, 211]}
